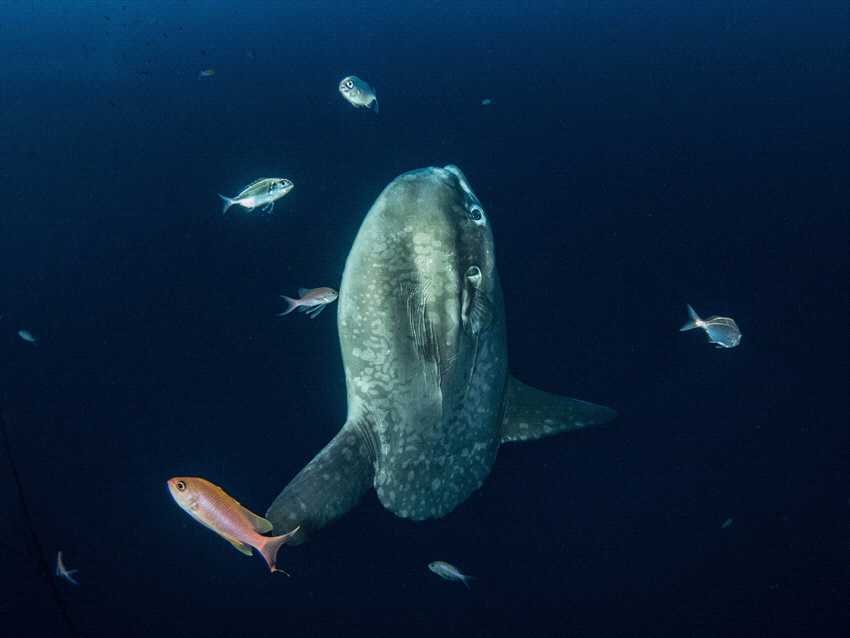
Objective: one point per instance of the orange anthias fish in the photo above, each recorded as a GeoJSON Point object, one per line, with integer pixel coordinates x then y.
{"type": "Point", "coordinates": [311, 301]}
{"type": "Point", "coordinates": [211, 506]}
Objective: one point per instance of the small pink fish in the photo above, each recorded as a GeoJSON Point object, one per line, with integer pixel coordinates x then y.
{"type": "Point", "coordinates": [211, 506]}
{"type": "Point", "coordinates": [312, 301]}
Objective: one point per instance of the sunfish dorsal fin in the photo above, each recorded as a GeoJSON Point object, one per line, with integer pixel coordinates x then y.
{"type": "Point", "coordinates": [530, 414]}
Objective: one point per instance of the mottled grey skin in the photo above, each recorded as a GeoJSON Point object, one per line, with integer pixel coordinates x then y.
{"type": "Point", "coordinates": [422, 330]}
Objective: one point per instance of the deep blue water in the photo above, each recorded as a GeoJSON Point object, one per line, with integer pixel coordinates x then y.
{"type": "Point", "coordinates": [635, 157]}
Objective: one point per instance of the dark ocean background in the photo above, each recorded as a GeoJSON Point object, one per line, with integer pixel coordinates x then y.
{"type": "Point", "coordinates": [634, 157]}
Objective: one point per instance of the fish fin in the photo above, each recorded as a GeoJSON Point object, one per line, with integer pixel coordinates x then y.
{"type": "Point", "coordinates": [260, 525]}
{"type": "Point", "coordinates": [375, 102]}
{"type": "Point", "coordinates": [330, 485]}
{"type": "Point", "coordinates": [292, 305]}
{"type": "Point", "coordinates": [693, 323]}
{"type": "Point", "coordinates": [227, 203]}
{"type": "Point", "coordinates": [271, 545]}
{"type": "Point", "coordinates": [465, 578]}
{"type": "Point", "coordinates": [268, 208]}
{"type": "Point", "coordinates": [531, 414]}
{"type": "Point", "coordinates": [302, 292]}
{"type": "Point", "coordinates": [242, 547]}
{"type": "Point", "coordinates": [481, 313]}
{"type": "Point", "coordinates": [477, 307]}
{"type": "Point", "coordinates": [315, 310]}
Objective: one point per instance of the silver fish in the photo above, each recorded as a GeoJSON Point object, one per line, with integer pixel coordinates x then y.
{"type": "Point", "coordinates": [358, 92]}
{"type": "Point", "coordinates": [311, 301]}
{"type": "Point", "coordinates": [27, 336]}
{"type": "Point", "coordinates": [422, 331]}
{"type": "Point", "coordinates": [62, 571]}
{"type": "Point", "coordinates": [449, 572]}
{"type": "Point", "coordinates": [262, 193]}
{"type": "Point", "coordinates": [720, 330]}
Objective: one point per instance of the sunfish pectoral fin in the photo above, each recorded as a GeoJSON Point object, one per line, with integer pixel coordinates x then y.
{"type": "Point", "coordinates": [530, 414]}
{"type": "Point", "coordinates": [477, 307]}
{"type": "Point", "coordinates": [328, 487]}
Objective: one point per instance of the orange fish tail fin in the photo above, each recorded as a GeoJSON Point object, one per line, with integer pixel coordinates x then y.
{"type": "Point", "coordinates": [271, 545]}
{"type": "Point", "coordinates": [293, 303]}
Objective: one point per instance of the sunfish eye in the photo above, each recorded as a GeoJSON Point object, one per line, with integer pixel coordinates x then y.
{"type": "Point", "coordinates": [476, 213]}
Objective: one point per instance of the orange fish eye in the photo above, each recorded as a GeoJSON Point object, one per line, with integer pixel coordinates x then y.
{"type": "Point", "coordinates": [180, 485]}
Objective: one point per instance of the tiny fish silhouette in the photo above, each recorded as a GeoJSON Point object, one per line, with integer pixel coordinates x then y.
{"type": "Point", "coordinates": [64, 573]}
{"type": "Point", "coordinates": [27, 336]}
{"type": "Point", "coordinates": [720, 330]}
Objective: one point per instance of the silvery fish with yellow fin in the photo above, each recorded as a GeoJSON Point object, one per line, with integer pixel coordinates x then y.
{"type": "Point", "coordinates": [262, 193]}
{"type": "Point", "coordinates": [720, 330]}
{"type": "Point", "coordinates": [358, 92]}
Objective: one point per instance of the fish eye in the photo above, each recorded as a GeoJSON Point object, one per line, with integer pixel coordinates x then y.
{"type": "Point", "coordinates": [476, 213]}
{"type": "Point", "coordinates": [180, 485]}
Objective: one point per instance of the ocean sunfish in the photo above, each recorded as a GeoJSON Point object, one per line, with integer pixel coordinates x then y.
{"type": "Point", "coordinates": [422, 330]}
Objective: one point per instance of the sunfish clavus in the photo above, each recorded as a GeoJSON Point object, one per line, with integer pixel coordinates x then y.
{"type": "Point", "coordinates": [422, 330]}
